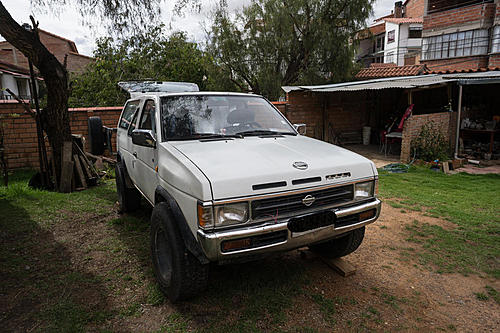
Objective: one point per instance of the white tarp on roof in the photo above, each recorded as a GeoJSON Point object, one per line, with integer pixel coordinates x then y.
{"type": "Point", "coordinates": [405, 82]}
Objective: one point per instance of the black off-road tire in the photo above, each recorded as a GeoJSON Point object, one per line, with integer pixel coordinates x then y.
{"type": "Point", "coordinates": [342, 246]}
{"type": "Point", "coordinates": [128, 198]}
{"type": "Point", "coordinates": [179, 273]}
{"type": "Point", "coordinates": [96, 136]}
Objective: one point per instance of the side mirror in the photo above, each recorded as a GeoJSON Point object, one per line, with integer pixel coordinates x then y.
{"type": "Point", "coordinates": [142, 137]}
{"type": "Point", "coordinates": [301, 128]}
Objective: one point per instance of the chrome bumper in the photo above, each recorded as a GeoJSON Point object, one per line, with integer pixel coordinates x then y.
{"type": "Point", "coordinates": [211, 241]}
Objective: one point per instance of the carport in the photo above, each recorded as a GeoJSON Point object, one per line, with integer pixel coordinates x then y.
{"type": "Point", "coordinates": [338, 112]}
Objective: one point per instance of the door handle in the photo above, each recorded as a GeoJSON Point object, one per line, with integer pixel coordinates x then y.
{"type": "Point", "coordinates": [135, 155]}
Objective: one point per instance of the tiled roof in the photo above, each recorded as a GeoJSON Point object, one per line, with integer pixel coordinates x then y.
{"type": "Point", "coordinates": [400, 20]}
{"type": "Point", "coordinates": [381, 64]}
{"type": "Point", "coordinates": [383, 17]}
{"type": "Point", "coordinates": [484, 69]}
{"type": "Point", "coordinates": [71, 43]}
{"type": "Point", "coordinates": [13, 68]}
{"type": "Point", "coordinates": [378, 71]}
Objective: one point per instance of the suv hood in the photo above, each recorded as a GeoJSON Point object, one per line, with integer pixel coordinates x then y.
{"type": "Point", "coordinates": [250, 166]}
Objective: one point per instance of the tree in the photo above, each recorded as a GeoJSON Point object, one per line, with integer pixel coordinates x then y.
{"type": "Point", "coordinates": [123, 15]}
{"type": "Point", "coordinates": [148, 55]}
{"type": "Point", "coordinates": [271, 43]}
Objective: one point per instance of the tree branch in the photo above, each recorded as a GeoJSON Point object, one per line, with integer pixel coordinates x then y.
{"type": "Point", "coordinates": [26, 106]}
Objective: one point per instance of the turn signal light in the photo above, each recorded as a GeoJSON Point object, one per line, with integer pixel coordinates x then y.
{"type": "Point", "coordinates": [366, 215]}
{"type": "Point", "coordinates": [205, 219]}
{"type": "Point", "coordinates": [237, 244]}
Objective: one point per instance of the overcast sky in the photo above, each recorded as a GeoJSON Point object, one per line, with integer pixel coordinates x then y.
{"type": "Point", "coordinates": [68, 23]}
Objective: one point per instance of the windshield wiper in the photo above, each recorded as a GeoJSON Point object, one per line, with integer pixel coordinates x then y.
{"type": "Point", "coordinates": [199, 136]}
{"type": "Point", "coordinates": [263, 132]}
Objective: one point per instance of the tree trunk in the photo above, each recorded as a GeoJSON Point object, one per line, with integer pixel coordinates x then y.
{"type": "Point", "coordinates": [55, 116]}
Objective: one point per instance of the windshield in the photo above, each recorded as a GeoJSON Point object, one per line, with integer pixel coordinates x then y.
{"type": "Point", "coordinates": [202, 116]}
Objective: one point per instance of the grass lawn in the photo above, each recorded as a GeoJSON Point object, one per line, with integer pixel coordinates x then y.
{"type": "Point", "coordinates": [471, 202]}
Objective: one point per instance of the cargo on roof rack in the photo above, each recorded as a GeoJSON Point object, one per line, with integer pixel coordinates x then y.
{"type": "Point", "coordinates": [135, 88]}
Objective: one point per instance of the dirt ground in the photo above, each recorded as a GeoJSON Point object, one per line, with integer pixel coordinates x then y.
{"type": "Point", "coordinates": [390, 291]}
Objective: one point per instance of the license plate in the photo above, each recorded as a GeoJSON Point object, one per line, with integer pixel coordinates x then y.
{"type": "Point", "coordinates": [311, 221]}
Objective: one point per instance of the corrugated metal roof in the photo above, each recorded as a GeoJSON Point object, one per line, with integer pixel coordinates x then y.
{"type": "Point", "coordinates": [406, 82]}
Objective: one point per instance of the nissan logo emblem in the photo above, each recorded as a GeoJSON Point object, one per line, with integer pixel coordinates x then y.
{"type": "Point", "coordinates": [308, 200]}
{"type": "Point", "coordinates": [300, 165]}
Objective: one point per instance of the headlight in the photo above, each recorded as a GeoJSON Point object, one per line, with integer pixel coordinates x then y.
{"type": "Point", "coordinates": [363, 190]}
{"type": "Point", "coordinates": [222, 215]}
{"type": "Point", "coordinates": [231, 214]}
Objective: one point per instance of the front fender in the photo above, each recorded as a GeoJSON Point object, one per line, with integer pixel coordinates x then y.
{"type": "Point", "coordinates": [189, 240]}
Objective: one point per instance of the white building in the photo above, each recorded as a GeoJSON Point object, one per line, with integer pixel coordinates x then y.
{"type": "Point", "coordinates": [395, 38]}
{"type": "Point", "coordinates": [403, 40]}
{"type": "Point", "coordinates": [16, 79]}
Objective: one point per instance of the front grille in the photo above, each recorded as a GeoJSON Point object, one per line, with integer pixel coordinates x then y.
{"type": "Point", "coordinates": [286, 204]}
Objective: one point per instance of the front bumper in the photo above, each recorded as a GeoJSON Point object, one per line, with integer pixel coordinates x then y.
{"type": "Point", "coordinates": [211, 242]}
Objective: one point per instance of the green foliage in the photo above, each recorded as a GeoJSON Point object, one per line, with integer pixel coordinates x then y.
{"type": "Point", "coordinates": [430, 144]}
{"type": "Point", "coordinates": [469, 201]}
{"type": "Point", "coordinates": [493, 293]}
{"type": "Point", "coordinates": [271, 43]}
{"type": "Point", "coordinates": [151, 55]}
{"type": "Point", "coordinates": [481, 296]}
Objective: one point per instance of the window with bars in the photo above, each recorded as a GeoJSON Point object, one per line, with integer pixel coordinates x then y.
{"type": "Point", "coordinates": [495, 40]}
{"type": "Point", "coordinates": [458, 44]}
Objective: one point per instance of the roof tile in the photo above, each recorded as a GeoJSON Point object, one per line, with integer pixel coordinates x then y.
{"type": "Point", "coordinates": [390, 71]}
{"type": "Point", "coordinates": [400, 20]}
{"type": "Point", "coordinates": [469, 70]}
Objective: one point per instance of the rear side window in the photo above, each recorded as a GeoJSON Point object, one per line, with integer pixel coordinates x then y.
{"type": "Point", "coordinates": [127, 114]}
{"type": "Point", "coordinates": [148, 116]}
{"type": "Point", "coordinates": [133, 124]}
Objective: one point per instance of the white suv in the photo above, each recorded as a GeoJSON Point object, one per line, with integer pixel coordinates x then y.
{"type": "Point", "coordinates": [231, 179]}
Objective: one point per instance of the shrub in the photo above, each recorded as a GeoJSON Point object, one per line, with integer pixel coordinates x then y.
{"type": "Point", "coordinates": [430, 144]}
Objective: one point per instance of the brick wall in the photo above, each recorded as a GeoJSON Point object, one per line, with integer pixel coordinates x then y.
{"type": "Point", "coordinates": [494, 60]}
{"type": "Point", "coordinates": [446, 121]}
{"type": "Point", "coordinates": [460, 16]}
{"type": "Point", "coordinates": [21, 144]}
{"type": "Point", "coordinates": [415, 8]}
{"type": "Point", "coordinates": [306, 108]}
{"type": "Point", "coordinates": [343, 112]}
{"type": "Point", "coordinates": [76, 63]}
{"type": "Point", "coordinates": [461, 63]}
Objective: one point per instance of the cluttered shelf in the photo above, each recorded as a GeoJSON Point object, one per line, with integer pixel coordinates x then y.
{"type": "Point", "coordinates": [475, 135]}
